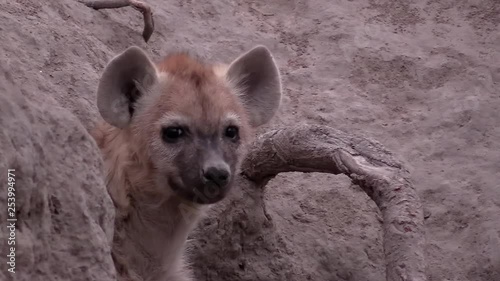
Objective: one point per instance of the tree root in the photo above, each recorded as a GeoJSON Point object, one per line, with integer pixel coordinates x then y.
{"type": "Point", "coordinates": [142, 7]}
{"type": "Point", "coordinates": [369, 165]}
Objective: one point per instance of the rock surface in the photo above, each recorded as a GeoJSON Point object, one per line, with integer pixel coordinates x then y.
{"type": "Point", "coordinates": [421, 77]}
{"type": "Point", "coordinates": [64, 215]}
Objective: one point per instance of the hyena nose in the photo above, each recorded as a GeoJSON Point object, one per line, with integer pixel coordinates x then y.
{"type": "Point", "coordinates": [217, 175]}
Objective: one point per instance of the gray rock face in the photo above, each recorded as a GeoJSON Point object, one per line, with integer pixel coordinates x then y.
{"type": "Point", "coordinates": [64, 215]}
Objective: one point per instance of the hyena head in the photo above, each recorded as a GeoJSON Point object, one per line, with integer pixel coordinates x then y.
{"type": "Point", "coordinates": [190, 120]}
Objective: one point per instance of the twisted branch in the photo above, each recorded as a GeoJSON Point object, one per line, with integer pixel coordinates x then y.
{"type": "Point", "coordinates": [142, 7]}
{"type": "Point", "coordinates": [369, 165]}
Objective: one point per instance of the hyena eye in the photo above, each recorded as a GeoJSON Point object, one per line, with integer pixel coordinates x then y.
{"type": "Point", "coordinates": [172, 134]}
{"type": "Point", "coordinates": [232, 132]}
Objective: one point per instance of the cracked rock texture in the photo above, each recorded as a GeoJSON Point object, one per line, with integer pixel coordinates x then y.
{"type": "Point", "coordinates": [421, 77]}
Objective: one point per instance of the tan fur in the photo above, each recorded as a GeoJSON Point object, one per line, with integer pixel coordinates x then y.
{"type": "Point", "coordinates": [152, 222]}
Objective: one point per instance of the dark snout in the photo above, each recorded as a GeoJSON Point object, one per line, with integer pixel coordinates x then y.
{"type": "Point", "coordinates": [206, 172]}
{"type": "Point", "coordinates": [215, 177]}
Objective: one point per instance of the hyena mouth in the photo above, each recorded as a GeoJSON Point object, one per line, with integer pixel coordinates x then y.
{"type": "Point", "coordinates": [203, 194]}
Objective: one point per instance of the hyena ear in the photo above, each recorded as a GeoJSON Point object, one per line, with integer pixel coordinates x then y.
{"type": "Point", "coordinates": [125, 78]}
{"type": "Point", "coordinates": [257, 79]}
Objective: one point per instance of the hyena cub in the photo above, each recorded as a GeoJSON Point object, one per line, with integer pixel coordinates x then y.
{"type": "Point", "coordinates": [172, 138]}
